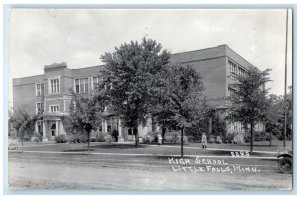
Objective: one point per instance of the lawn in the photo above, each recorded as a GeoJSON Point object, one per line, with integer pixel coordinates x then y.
{"type": "Point", "coordinates": [257, 146]}
{"type": "Point", "coordinates": [147, 149]}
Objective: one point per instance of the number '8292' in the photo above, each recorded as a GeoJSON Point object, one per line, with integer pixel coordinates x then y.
{"type": "Point", "coordinates": [241, 154]}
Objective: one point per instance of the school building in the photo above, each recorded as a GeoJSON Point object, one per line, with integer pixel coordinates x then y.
{"type": "Point", "coordinates": [49, 94]}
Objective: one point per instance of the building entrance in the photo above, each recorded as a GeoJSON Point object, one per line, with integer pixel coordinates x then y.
{"type": "Point", "coordinates": [53, 129]}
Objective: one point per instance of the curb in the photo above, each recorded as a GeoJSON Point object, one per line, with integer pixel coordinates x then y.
{"type": "Point", "coordinates": [141, 155]}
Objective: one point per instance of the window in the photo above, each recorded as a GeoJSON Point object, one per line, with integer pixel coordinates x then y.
{"type": "Point", "coordinates": [40, 107]}
{"type": "Point", "coordinates": [231, 91]}
{"type": "Point", "coordinates": [234, 69]}
{"type": "Point", "coordinates": [54, 108]}
{"type": "Point", "coordinates": [82, 85]}
{"type": "Point", "coordinates": [77, 86]}
{"type": "Point", "coordinates": [96, 81]}
{"type": "Point", "coordinates": [39, 90]}
{"type": "Point", "coordinates": [54, 85]}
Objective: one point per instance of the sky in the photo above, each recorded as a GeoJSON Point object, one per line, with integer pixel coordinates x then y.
{"type": "Point", "coordinates": [39, 37]}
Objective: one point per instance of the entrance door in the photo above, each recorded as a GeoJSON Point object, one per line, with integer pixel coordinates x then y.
{"type": "Point", "coordinates": [53, 129]}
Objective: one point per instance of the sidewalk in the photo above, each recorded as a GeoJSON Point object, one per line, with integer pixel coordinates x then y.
{"type": "Point", "coordinates": [214, 149]}
{"type": "Point", "coordinates": [141, 155]}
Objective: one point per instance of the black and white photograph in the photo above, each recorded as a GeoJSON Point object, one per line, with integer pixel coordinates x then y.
{"type": "Point", "coordinates": [151, 99]}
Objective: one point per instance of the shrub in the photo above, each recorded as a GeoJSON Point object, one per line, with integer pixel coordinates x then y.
{"type": "Point", "coordinates": [60, 139]}
{"type": "Point", "coordinates": [171, 139]}
{"type": "Point", "coordinates": [238, 138]}
{"type": "Point", "coordinates": [211, 139]}
{"type": "Point", "coordinates": [229, 138]}
{"type": "Point", "coordinates": [100, 137]}
{"type": "Point", "coordinates": [108, 139]}
{"type": "Point", "coordinates": [93, 140]}
{"type": "Point", "coordinates": [115, 134]}
{"type": "Point", "coordinates": [27, 138]}
{"type": "Point", "coordinates": [77, 138]}
{"type": "Point", "coordinates": [13, 144]}
{"type": "Point", "coordinates": [260, 136]}
{"type": "Point", "coordinates": [174, 138]}
{"type": "Point", "coordinates": [219, 140]}
{"type": "Point", "coordinates": [247, 137]}
{"type": "Point", "coordinates": [195, 133]}
{"type": "Point", "coordinates": [72, 139]}
{"type": "Point", "coordinates": [37, 137]}
{"type": "Point", "coordinates": [146, 139]}
{"type": "Point", "coordinates": [151, 137]}
{"type": "Point", "coordinates": [190, 139]}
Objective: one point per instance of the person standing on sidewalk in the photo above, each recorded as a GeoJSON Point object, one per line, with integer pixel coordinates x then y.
{"type": "Point", "coordinates": [204, 141]}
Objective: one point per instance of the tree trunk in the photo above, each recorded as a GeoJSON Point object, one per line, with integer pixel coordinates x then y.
{"type": "Point", "coordinates": [163, 133]}
{"type": "Point", "coordinates": [251, 137]}
{"type": "Point", "coordinates": [209, 126]}
{"type": "Point", "coordinates": [88, 143]}
{"type": "Point", "coordinates": [135, 132]}
{"type": "Point", "coordinates": [271, 137]}
{"type": "Point", "coordinates": [182, 141]}
{"type": "Point", "coordinates": [22, 139]}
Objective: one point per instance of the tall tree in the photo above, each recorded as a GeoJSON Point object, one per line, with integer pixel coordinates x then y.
{"type": "Point", "coordinates": [184, 104]}
{"type": "Point", "coordinates": [131, 72]}
{"type": "Point", "coordinates": [274, 116]}
{"type": "Point", "coordinates": [180, 102]}
{"type": "Point", "coordinates": [164, 110]}
{"type": "Point", "coordinates": [23, 123]}
{"type": "Point", "coordinates": [274, 121]}
{"type": "Point", "coordinates": [85, 114]}
{"type": "Point", "coordinates": [249, 103]}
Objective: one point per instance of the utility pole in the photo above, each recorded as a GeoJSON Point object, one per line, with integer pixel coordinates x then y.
{"type": "Point", "coordinates": [285, 76]}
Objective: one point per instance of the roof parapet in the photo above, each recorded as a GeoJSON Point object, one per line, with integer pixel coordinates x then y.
{"type": "Point", "coordinates": [56, 65]}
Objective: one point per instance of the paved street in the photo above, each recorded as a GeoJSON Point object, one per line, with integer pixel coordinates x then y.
{"type": "Point", "coordinates": [34, 170]}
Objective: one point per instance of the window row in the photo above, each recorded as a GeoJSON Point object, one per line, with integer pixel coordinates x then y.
{"type": "Point", "coordinates": [235, 69]}
{"type": "Point", "coordinates": [40, 108]}
{"type": "Point", "coordinates": [54, 108]}
{"type": "Point", "coordinates": [237, 126]}
{"type": "Point", "coordinates": [231, 91]}
{"type": "Point", "coordinates": [54, 87]}
{"type": "Point", "coordinates": [82, 85]}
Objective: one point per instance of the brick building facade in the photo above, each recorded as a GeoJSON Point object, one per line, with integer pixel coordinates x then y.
{"type": "Point", "coordinates": [49, 94]}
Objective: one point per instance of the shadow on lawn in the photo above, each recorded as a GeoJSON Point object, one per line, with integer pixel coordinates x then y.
{"type": "Point", "coordinates": [105, 146]}
{"type": "Point", "coordinates": [78, 150]}
{"type": "Point", "coordinates": [116, 146]}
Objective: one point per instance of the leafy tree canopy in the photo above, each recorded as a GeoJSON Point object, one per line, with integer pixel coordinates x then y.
{"type": "Point", "coordinates": [132, 73]}
{"type": "Point", "coordinates": [249, 102]}
{"type": "Point", "coordinates": [23, 123]}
